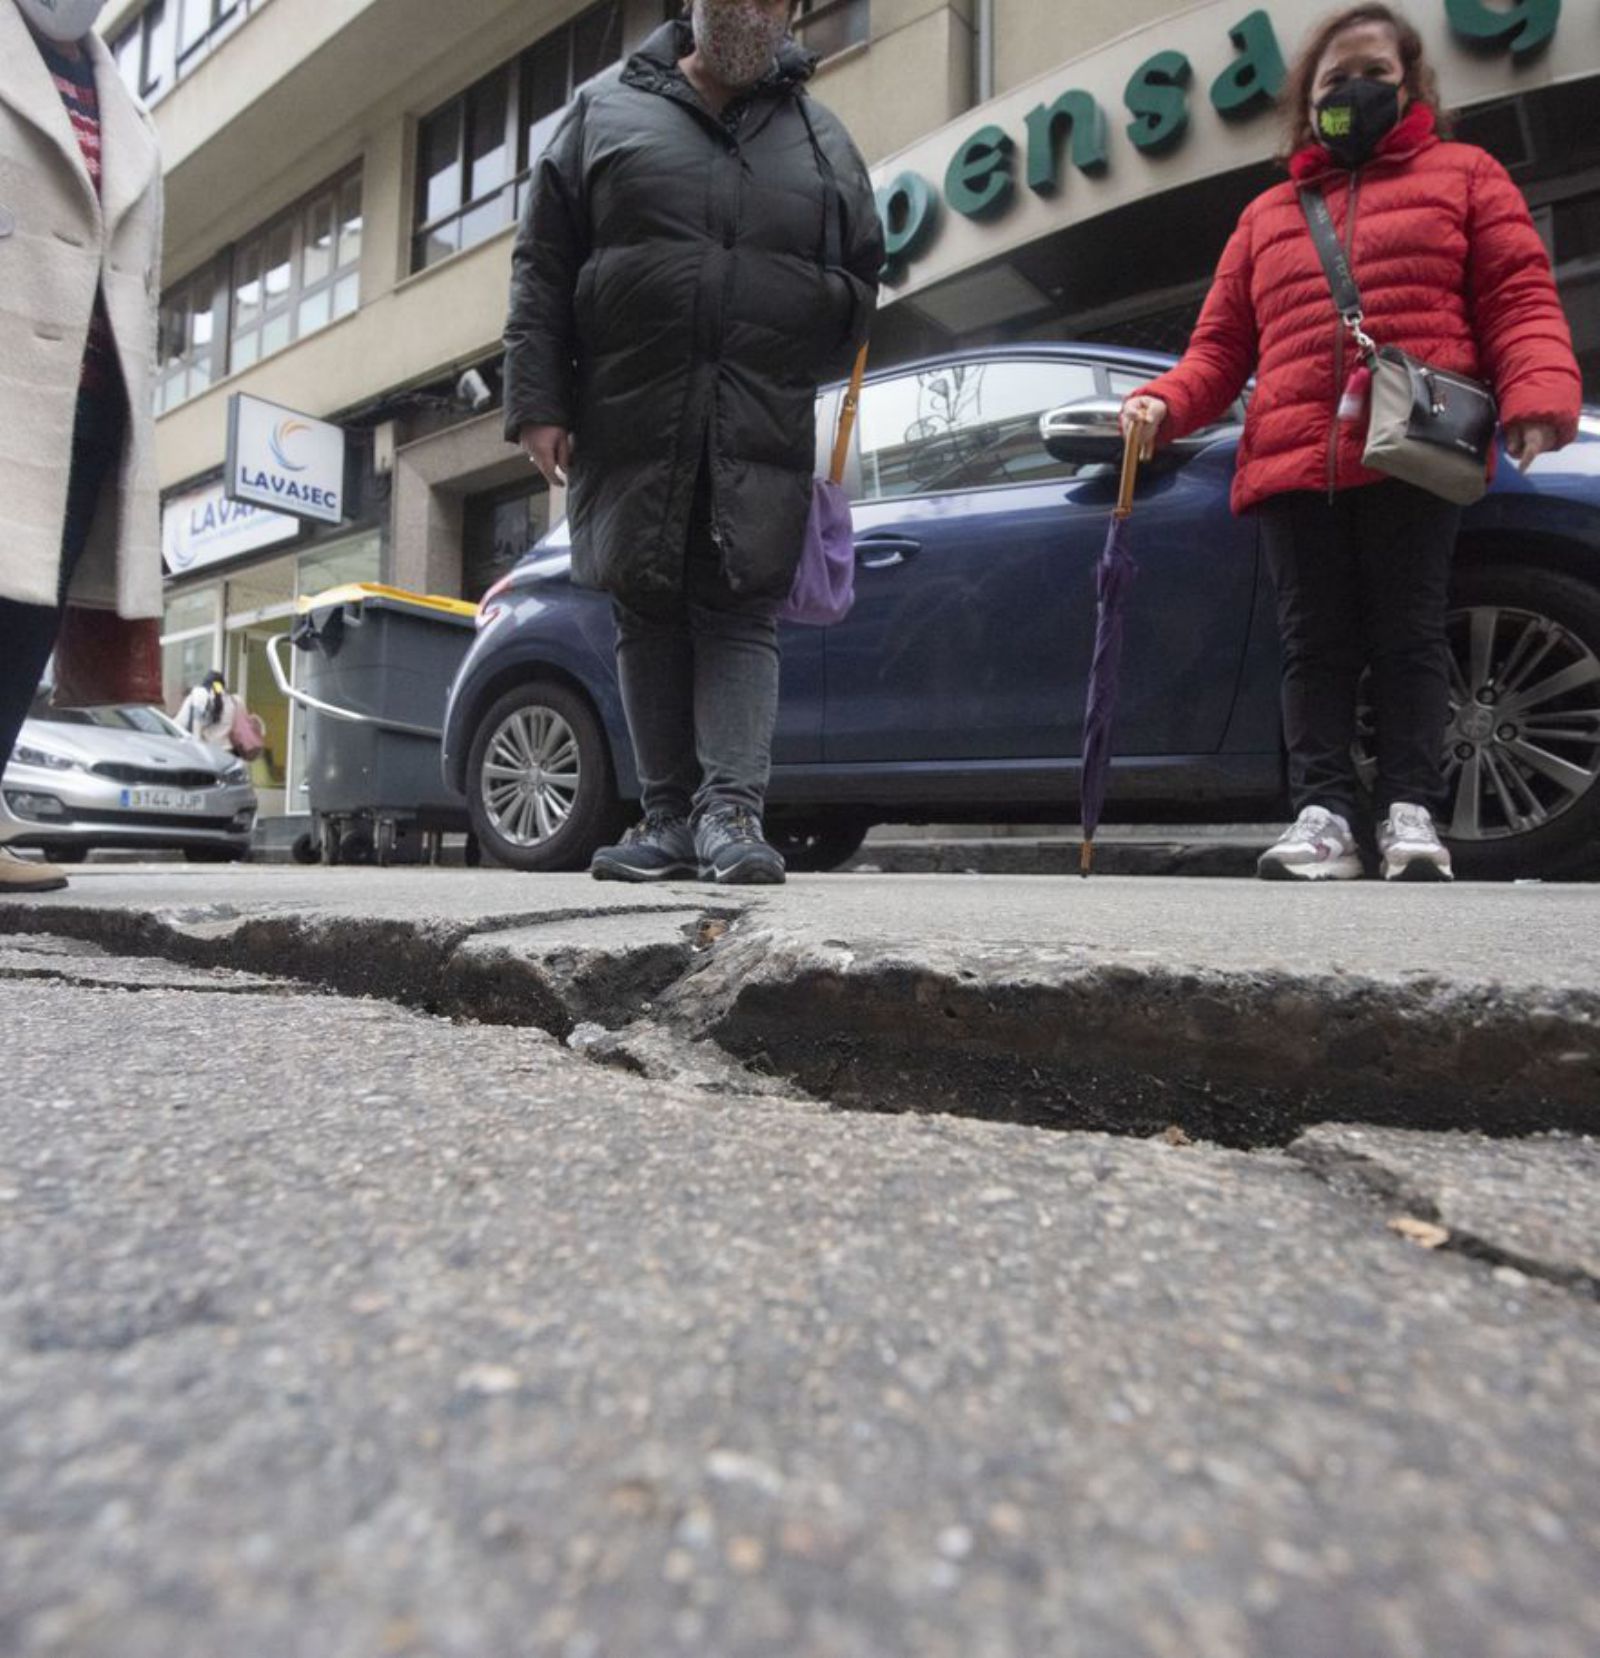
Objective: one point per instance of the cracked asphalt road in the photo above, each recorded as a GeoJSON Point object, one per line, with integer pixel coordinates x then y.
{"type": "Point", "coordinates": [330, 1329]}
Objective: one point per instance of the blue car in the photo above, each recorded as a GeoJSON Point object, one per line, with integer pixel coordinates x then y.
{"type": "Point", "coordinates": [982, 484]}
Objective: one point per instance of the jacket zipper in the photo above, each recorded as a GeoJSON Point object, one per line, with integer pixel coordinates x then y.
{"type": "Point", "coordinates": [1338, 343]}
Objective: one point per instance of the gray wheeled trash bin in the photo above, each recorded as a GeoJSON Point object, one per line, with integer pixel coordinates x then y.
{"type": "Point", "coordinates": [375, 668]}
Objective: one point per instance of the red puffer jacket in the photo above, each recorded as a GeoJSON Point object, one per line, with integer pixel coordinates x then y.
{"type": "Point", "coordinates": [1450, 269]}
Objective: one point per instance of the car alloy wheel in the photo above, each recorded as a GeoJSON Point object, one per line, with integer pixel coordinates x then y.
{"type": "Point", "coordinates": [1521, 756]}
{"type": "Point", "coordinates": [1523, 746]}
{"type": "Point", "coordinates": [531, 774]}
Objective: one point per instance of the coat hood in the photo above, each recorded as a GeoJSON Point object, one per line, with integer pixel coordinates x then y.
{"type": "Point", "coordinates": [1416, 131]}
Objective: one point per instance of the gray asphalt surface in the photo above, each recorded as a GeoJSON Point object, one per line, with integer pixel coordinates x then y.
{"type": "Point", "coordinates": [329, 1329]}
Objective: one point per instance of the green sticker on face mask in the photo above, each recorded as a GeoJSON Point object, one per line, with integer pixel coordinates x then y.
{"type": "Point", "coordinates": [1337, 122]}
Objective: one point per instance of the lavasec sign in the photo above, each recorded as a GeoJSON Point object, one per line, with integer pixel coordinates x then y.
{"type": "Point", "coordinates": [284, 460]}
{"type": "Point", "coordinates": [204, 527]}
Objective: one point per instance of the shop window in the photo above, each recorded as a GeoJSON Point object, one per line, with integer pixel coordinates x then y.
{"type": "Point", "coordinates": [298, 274]}
{"type": "Point", "coordinates": [500, 529]}
{"type": "Point", "coordinates": [340, 565]}
{"type": "Point", "coordinates": [475, 155]}
{"type": "Point", "coordinates": [827, 27]}
{"type": "Point", "coordinates": [967, 426]}
{"type": "Point", "coordinates": [189, 356]}
{"type": "Point", "coordinates": [190, 643]}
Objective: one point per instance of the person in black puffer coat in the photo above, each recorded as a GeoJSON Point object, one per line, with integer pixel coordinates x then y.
{"type": "Point", "coordinates": [701, 250]}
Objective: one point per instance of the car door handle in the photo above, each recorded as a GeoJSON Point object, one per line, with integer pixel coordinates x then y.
{"type": "Point", "coordinates": [884, 552]}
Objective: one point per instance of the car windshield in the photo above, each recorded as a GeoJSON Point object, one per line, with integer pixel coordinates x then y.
{"type": "Point", "coordinates": [150, 722]}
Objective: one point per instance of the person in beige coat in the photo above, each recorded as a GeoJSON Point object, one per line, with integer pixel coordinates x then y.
{"type": "Point", "coordinates": [80, 247]}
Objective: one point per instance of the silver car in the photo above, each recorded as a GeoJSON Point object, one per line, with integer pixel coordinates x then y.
{"type": "Point", "coordinates": [123, 777]}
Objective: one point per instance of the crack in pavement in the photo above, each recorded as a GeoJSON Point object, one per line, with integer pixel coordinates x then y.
{"type": "Point", "coordinates": [90, 981]}
{"type": "Point", "coordinates": [1527, 1207]}
{"type": "Point", "coordinates": [696, 1043]}
{"type": "Point", "coordinates": [1045, 1037]}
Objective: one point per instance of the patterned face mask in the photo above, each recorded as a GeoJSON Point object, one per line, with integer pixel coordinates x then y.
{"type": "Point", "coordinates": [1352, 121]}
{"type": "Point", "coordinates": [736, 38]}
{"type": "Point", "coordinates": [62, 19]}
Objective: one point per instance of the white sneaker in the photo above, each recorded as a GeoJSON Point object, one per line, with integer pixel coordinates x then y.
{"type": "Point", "coordinates": [1317, 846]}
{"type": "Point", "coordinates": [1410, 846]}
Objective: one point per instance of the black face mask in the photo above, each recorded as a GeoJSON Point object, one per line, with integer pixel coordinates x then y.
{"type": "Point", "coordinates": [1351, 122]}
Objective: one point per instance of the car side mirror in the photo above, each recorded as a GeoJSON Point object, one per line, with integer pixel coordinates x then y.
{"type": "Point", "coordinates": [1089, 432]}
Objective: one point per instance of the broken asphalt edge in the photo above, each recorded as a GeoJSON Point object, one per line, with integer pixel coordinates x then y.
{"type": "Point", "coordinates": [1241, 1058]}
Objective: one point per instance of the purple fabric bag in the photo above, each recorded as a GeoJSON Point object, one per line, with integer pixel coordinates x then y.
{"type": "Point", "coordinates": [825, 579]}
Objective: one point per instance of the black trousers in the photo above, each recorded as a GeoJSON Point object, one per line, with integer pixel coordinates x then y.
{"type": "Point", "coordinates": [1363, 581]}
{"type": "Point", "coordinates": [28, 631]}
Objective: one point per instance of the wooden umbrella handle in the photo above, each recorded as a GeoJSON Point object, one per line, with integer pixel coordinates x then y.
{"type": "Point", "coordinates": [1133, 447]}
{"type": "Point", "coordinates": [847, 417]}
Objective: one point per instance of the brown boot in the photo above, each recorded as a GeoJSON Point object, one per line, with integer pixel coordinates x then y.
{"type": "Point", "coordinates": [28, 875]}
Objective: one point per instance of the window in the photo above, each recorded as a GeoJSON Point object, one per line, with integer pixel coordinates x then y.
{"type": "Point", "coordinates": [190, 642]}
{"type": "Point", "coordinates": [298, 274]}
{"type": "Point", "coordinates": [966, 426]}
{"type": "Point", "coordinates": [169, 38]}
{"type": "Point", "coordinates": [500, 529]}
{"type": "Point", "coordinates": [1575, 233]}
{"type": "Point", "coordinates": [144, 52]}
{"type": "Point", "coordinates": [189, 356]}
{"type": "Point", "coordinates": [474, 155]}
{"type": "Point", "coordinates": [829, 26]}
{"type": "Point", "coordinates": [277, 286]}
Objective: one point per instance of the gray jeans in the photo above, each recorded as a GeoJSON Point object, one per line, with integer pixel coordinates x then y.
{"type": "Point", "coordinates": [699, 675]}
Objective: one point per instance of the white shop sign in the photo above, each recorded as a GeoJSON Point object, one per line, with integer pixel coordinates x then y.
{"type": "Point", "coordinates": [285, 460]}
{"type": "Point", "coordinates": [203, 527]}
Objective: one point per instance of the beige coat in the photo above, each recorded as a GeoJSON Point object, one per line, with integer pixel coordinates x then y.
{"type": "Point", "coordinates": [58, 246]}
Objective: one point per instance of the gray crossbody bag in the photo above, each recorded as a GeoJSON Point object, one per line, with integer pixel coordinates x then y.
{"type": "Point", "coordinates": [1426, 426]}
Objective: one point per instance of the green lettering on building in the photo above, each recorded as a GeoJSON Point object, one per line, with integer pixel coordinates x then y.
{"type": "Point", "coordinates": [1157, 97]}
{"type": "Point", "coordinates": [978, 184]}
{"type": "Point", "coordinates": [1074, 112]}
{"type": "Point", "coordinates": [910, 213]}
{"type": "Point", "coordinates": [1524, 27]}
{"type": "Point", "coordinates": [1256, 76]}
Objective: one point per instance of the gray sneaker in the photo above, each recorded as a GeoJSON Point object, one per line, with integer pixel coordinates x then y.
{"type": "Point", "coordinates": [659, 849]}
{"type": "Point", "coordinates": [1410, 846]}
{"type": "Point", "coordinates": [734, 853]}
{"type": "Point", "coordinates": [1317, 846]}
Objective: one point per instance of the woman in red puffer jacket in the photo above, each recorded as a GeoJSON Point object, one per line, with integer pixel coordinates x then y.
{"type": "Point", "coordinates": [1451, 270]}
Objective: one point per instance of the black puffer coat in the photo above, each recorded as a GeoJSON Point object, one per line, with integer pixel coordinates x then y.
{"type": "Point", "coordinates": [676, 289]}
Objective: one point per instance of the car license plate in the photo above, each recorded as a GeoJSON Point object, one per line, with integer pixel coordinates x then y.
{"type": "Point", "coordinates": [163, 800]}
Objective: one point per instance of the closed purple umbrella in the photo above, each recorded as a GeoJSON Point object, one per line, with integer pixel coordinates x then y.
{"type": "Point", "coordinates": [1114, 576]}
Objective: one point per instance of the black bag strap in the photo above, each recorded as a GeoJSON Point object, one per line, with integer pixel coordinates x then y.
{"type": "Point", "coordinates": [1346, 295]}
{"type": "Point", "coordinates": [833, 207]}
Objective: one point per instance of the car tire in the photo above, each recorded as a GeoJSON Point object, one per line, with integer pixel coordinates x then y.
{"type": "Point", "coordinates": [521, 816]}
{"type": "Point", "coordinates": [812, 846]}
{"type": "Point", "coordinates": [1525, 625]}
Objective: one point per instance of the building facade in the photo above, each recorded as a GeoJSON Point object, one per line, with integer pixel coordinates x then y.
{"type": "Point", "coordinates": [344, 177]}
